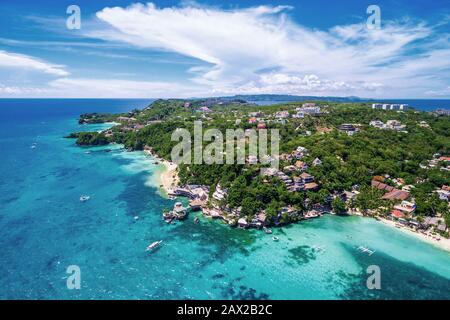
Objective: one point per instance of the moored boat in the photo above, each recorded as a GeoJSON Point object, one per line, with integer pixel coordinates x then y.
{"type": "Point", "coordinates": [84, 198]}
{"type": "Point", "coordinates": [154, 245]}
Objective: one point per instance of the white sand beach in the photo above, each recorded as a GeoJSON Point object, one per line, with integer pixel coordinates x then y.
{"type": "Point", "coordinates": [443, 243]}
{"type": "Point", "coordinates": [167, 177]}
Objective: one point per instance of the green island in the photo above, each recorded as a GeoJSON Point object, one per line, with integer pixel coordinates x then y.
{"type": "Point", "coordinates": [335, 157]}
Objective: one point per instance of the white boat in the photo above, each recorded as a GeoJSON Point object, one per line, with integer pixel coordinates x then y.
{"type": "Point", "coordinates": [275, 238]}
{"type": "Point", "coordinates": [84, 198]}
{"type": "Point", "coordinates": [267, 230]}
{"type": "Point", "coordinates": [366, 250]}
{"type": "Point", "coordinates": [154, 245]}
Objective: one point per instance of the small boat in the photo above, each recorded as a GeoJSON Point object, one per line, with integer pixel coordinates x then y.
{"type": "Point", "coordinates": [196, 220]}
{"type": "Point", "coordinates": [136, 217]}
{"type": "Point", "coordinates": [88, 152]}
{"type": "Point", "coordinates": [154, 245]}
{"type": "Point", "coordinates": [275, 238]}
{"type": "Point", "coordinates": [156, 162]}
{"type": "Point", "coordinates": [84, 198]}
{"type": "Point", "coordinates": [267, 230]}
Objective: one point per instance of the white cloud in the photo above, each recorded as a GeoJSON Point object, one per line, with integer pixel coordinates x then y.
{"type": "Point", "coordinates": [241, 49]}
{"type": "Point", "coordinates": [110, 88]}
{"type": "Point", "coordinates": [20, 61]}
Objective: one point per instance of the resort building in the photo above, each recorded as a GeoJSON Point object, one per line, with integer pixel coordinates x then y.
{"type": "Point", "coordinates": [444, 193]}
{"type": "Point", "coordinates": [406, 207]}
{"type": "Point", "coordinates": [377, 124]}
{"type": "Point", "coordinates": [347, 128]}
{"type": "Point", "coordinates": [392, 193]}
{"type": "Point", "coordinates": [391, 107]}
{"type": "Point", "coordinates": [220, 193]}
{"type": "Point", "coordinates": [282, 114]}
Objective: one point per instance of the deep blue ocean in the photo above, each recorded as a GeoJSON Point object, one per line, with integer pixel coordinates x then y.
{"type": "Point", "coordinates": [44, 228]}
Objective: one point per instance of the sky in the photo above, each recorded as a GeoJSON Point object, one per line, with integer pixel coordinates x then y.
{"type": "Point", "coordinates": [182, 49]}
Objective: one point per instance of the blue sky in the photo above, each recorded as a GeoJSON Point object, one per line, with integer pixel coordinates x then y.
{"type": "Point", "coordinates": [213, 48]}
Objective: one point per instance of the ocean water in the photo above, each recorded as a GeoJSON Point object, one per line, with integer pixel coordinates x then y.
{"type": "Point", "coordinates": [44, 228]}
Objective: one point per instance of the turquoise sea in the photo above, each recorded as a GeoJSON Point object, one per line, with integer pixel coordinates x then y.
{"type": "Point", "coordinates": [44, 228]}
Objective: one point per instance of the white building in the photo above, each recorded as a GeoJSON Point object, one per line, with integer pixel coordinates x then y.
{"type": "Point", "coordinates": [392, 107]}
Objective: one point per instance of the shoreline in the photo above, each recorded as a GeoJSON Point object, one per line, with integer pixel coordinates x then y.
{"type": "Point", "coordinates": [167, 177]}
{"type": "Point", "coordinates": [443, 243]}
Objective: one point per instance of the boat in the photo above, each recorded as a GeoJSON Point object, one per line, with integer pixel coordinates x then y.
{"type": "Point", "coordinates": [196, 220]}
{"type": "Point", "coordinates": [366, 250]}
{"type": "Point", "coordinates": [267, 230]}
{"type": "Point", "coordinates": [275, 238]}
{"type": "Point", "coordinates": [84, 198]}
{"type": "Point", "coordinates": [154, 245]}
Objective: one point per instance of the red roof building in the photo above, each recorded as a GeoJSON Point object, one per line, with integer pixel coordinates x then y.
{"type": "Point", "coordinates": [261, 125]}
{"type": "Point", "coordinates": [397, 214]}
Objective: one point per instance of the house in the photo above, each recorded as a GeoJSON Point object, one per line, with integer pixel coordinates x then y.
{"type": "Point", "coordinates": [252, 120]}
{"type": "Point", "coordinates": [445, 159]}
{"type": "Point", "coordinates": [377, 124]}
{"type": "Point", "coordinates": [424, 124]}
{"type": "Point", "coordinates": [282, 114]}
{"type": "Point", "coordinates": [434, 222]}
{"type": "Point", "coordinates": [252, 159]}
{"type": "Point", "coordinates": [261, 217]}
{"type": "Point", "coordinates": [406, 207]}
{"type": "Point", "coordinates": [242, 223]}
{"type": "Point", "coordinates": [395, 125]}
{"type": "Point", "coordinates": [205, 110]}
{"type": "Point", "coordinates": [443, 194]}
{"type": "Point", "coordinates": [311, 186]}
{"type": "Point", "coordinates": [350, 195]}
{"type": "Point", "coordinates": [290, 168]}
{"type": "Point", "coordinates": [307, 178]}
{"type": "Point", "coordinates": [261, 125]}
{"type": "Point", "coordinates": [300, 165]}
{"type": "Point", "coordinates": [220, 193]}
{"type": "Point", "coordinates": [317, 162]}
{"type": "Point", "coordinates": [298, 184]}
{"type": "Point", "coordinates": [350, 129]}
{"type": "Point", "coordinates": [256, 114]}
{"type": "Point", "coordinates": [392, 193]}
{"type": "Point", "coordinates": [397, 214]}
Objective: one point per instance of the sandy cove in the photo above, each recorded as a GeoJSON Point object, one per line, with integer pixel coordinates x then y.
{"type": "Point", "coordinates": [167, 177]}
{"type": "Point", "coordinates": [443, 243]}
